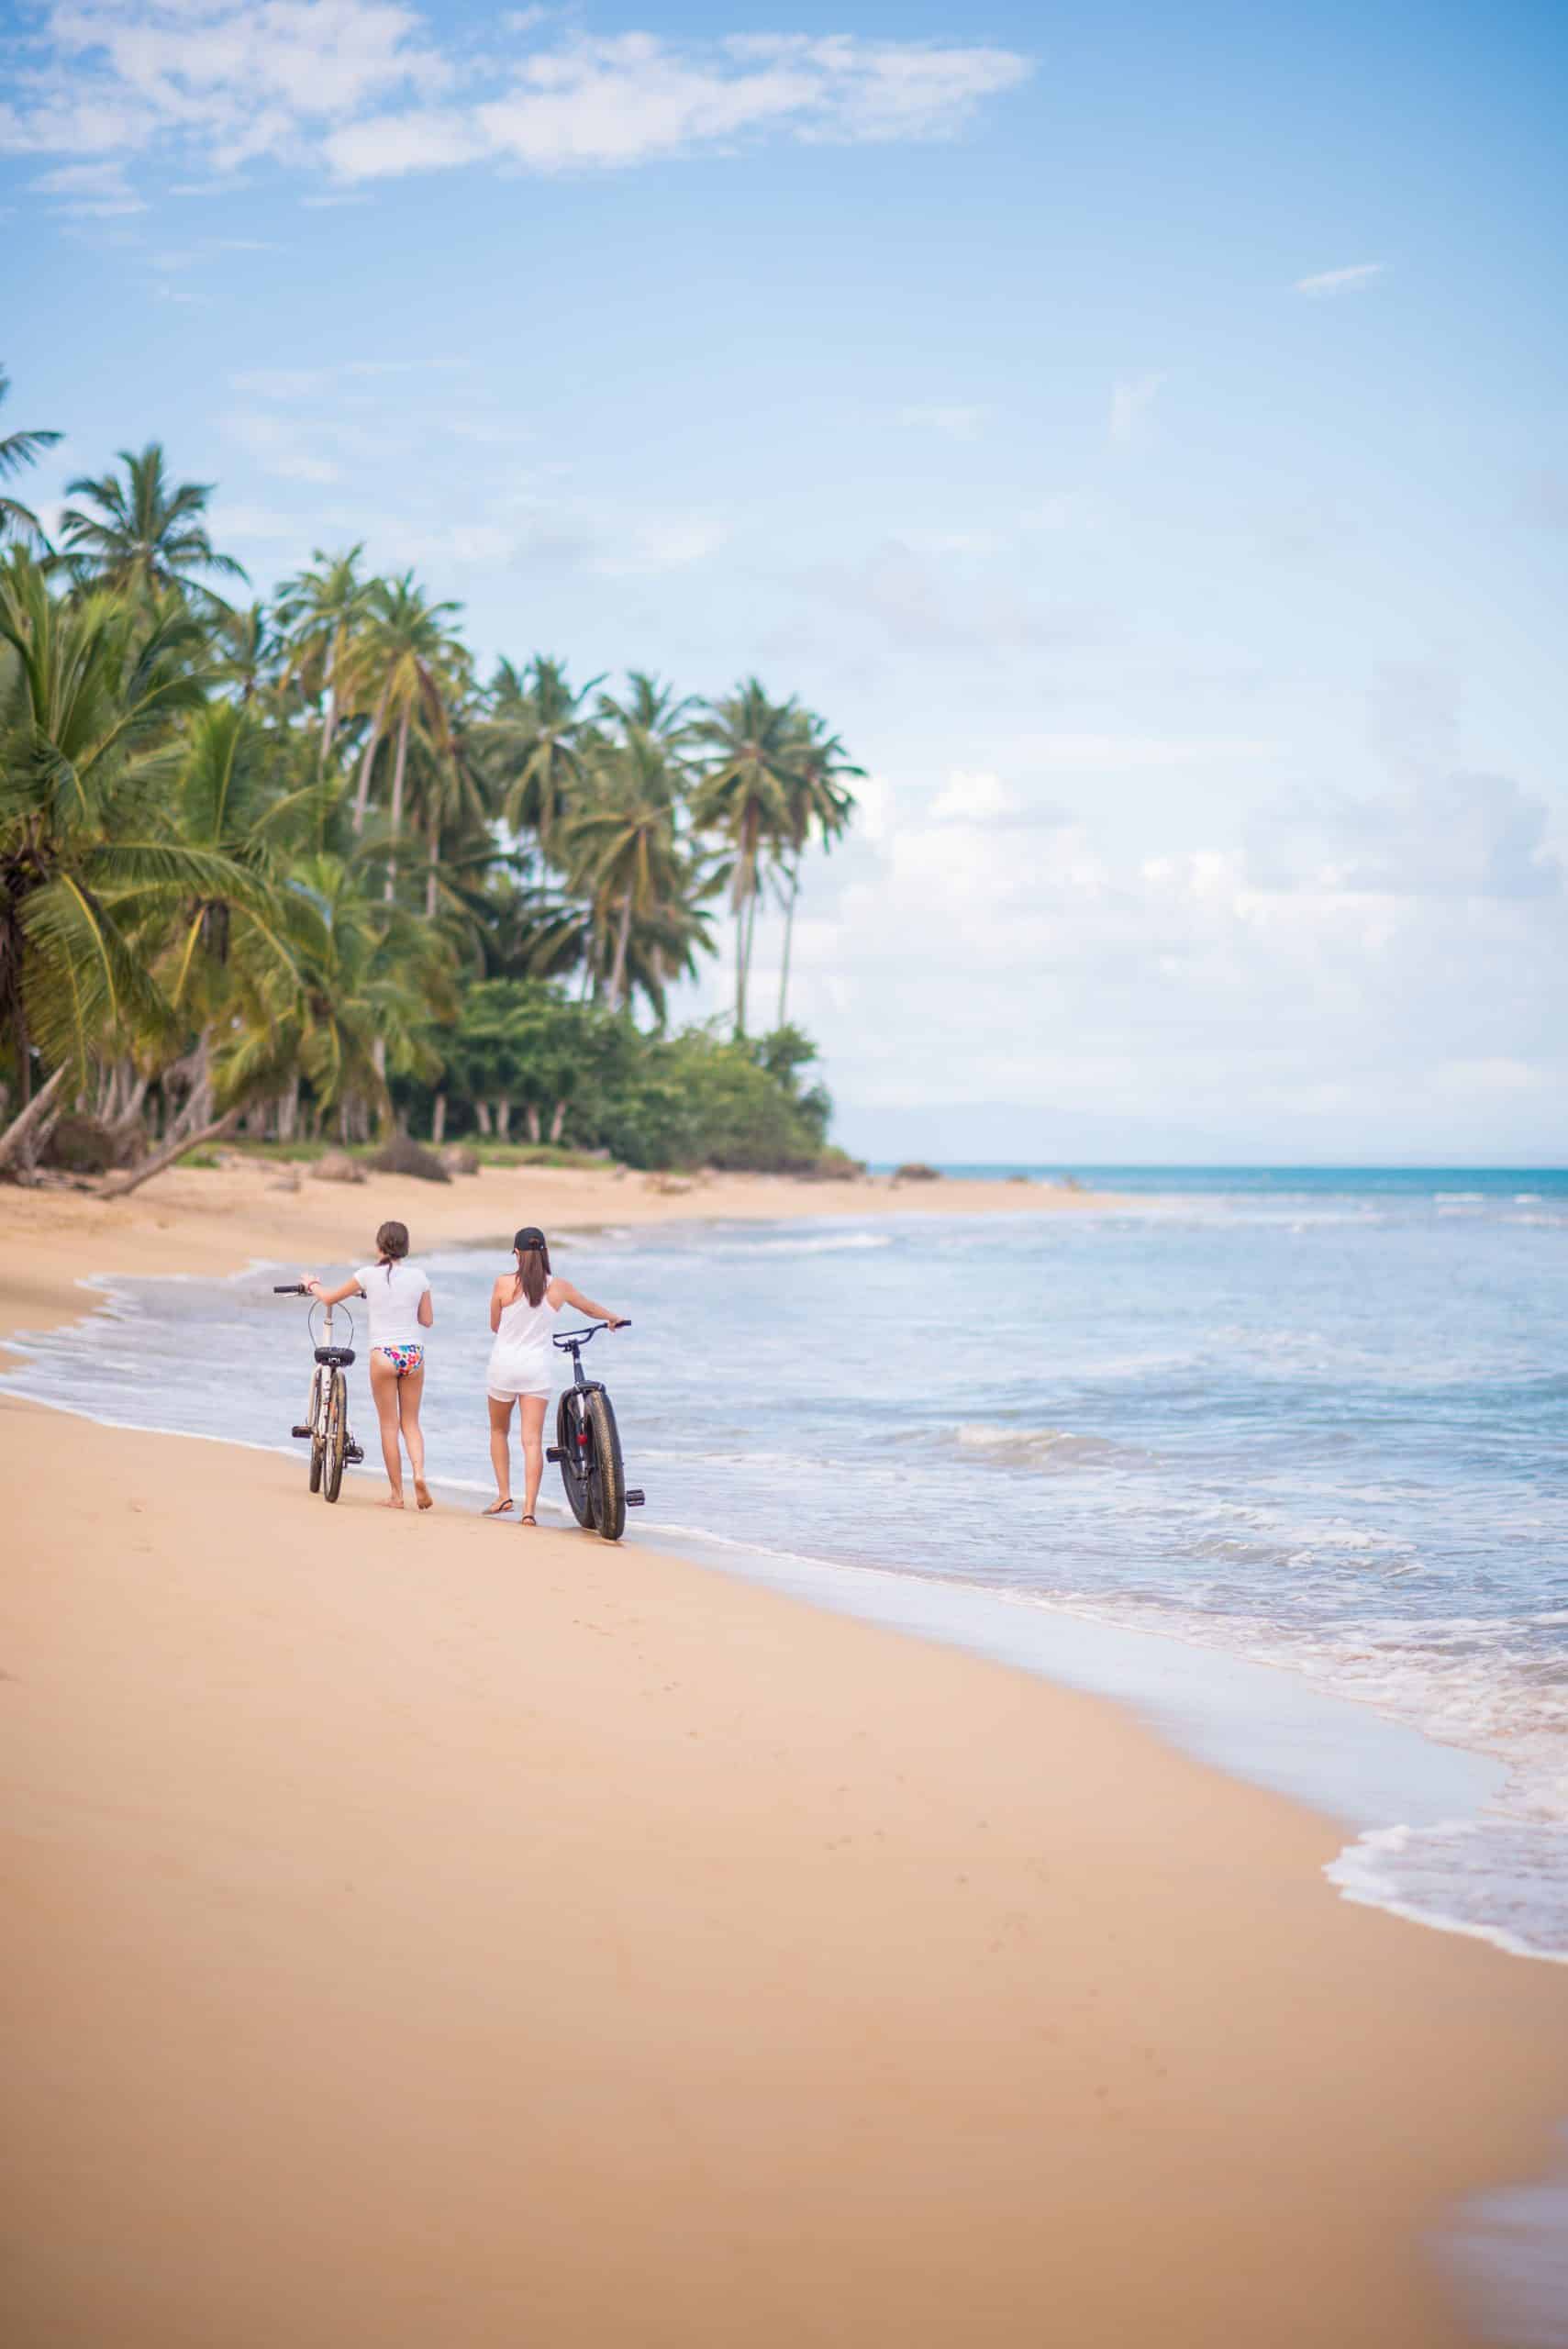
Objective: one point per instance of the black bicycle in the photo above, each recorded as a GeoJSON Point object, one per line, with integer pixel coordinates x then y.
{"type": "Point", "coordinates": [588, 1445]}
{"type": "Point", "coordinates": [326, 1416]}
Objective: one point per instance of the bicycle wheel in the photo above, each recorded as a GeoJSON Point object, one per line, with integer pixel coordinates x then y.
{"type": "Point", "coordinates": [606, 1478]}
{"type": "Point", "coordinates": [573, 1477]}
{"type": "Point", "coordinates": [313, 1421]}
{"type": "Point", "coordinates": [336, 1436]}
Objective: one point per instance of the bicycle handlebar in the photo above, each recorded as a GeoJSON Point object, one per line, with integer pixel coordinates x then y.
{"type": "Point", "coordinates": [290, 1288]}
{"type": "Point", "coordinates": [581, 1337]}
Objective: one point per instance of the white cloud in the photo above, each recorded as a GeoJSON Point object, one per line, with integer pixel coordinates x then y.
{"type": "Point", "coordinates": [368, 87]}
{"type": "Point", "coordinates": [280, 447]}
{"type": "Point", "coordinates": [956, 423]}
{"type": "Point", "coordinates": [1328, 282]}
{"type": "Point", "coordinates": [1390, 978]}
{"type": "Point", "coordinates": [89, 191]}
{"type": "Point", "coordinates": [1131, 398]}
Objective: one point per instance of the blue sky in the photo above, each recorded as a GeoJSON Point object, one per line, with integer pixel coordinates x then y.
{"type": "Point", "coordinates": [1140, 430]}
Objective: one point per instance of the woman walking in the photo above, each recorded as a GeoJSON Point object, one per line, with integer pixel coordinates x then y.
{"type": "Point", "coordinates": [524, 1304]}
{"type": "Point", "coordinates": [400, 1306]}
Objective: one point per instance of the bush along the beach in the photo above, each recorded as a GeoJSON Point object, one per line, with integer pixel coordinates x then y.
{"type": "Point", "coordinates": [317, 876]}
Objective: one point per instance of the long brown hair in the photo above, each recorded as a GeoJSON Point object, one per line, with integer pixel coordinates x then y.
{"type": "Point", "coordinates": [392, 1246]}
{"type": "Point", "coordinates": [532, 1253]}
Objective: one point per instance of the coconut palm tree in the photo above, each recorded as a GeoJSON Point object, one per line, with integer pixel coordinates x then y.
{"type": "Point", "coordinates": [406, 664]}
{"type": "Point", "coordinates": [537, 741]}
{"type": "Point", "coordinates": [745, 796]}
{"type": "Point", "coordinates": [319, 612]}
{"type": "Point", "coordinates": [653, 706]}
{"type": "Point", "coordinates": [144, 532]}
{"type": "Point", "coordinates": [359, 999]}
{"type": "Point", "coordinates": [818, 802]}
{"type": "Point", "coordinates": [92, 692]}
{"type": "Point", "coordinates": [18, 449]}
{"type": "Point", "coordinates": [621, 848]}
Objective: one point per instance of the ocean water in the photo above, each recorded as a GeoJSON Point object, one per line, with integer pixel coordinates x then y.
{"type": "Point", "coordinates": [1313, 1420]}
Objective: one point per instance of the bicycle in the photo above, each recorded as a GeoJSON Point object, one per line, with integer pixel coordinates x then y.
{"type": "Point", "coordinates": [587, 1445]}
{"type": "Point", "coordinates": [331, 1438]}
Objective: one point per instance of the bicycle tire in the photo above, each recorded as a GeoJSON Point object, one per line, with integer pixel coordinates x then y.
{"type": "Point", "coordinates": [606, 1475]}
{"type": "Point", "coordinates": [336, 1436]}
{"type": "Point", "coordinates": [578, 1497]}
{"type": "Point", "coordinates": [318, 1447]}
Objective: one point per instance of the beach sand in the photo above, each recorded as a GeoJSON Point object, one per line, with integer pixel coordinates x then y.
{"type": "Point", "coordinates": [422, 1931]}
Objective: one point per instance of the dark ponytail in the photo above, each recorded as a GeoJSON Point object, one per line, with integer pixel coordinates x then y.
{"type": "Point", "coordinates": [532, 1254]}
{"type": "Point", "coordinates": [392, 1246]}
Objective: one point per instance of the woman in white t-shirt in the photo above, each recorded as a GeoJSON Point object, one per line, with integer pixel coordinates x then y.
{"type": "Point", "coordinates": [400, 1307]}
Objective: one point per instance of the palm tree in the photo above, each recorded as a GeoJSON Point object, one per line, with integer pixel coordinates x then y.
{"type": "Point", "coordinates": [247, 648]}
{"type": "Point", "coordinates": [365, 988]}
{"type": "Point", "coordinates": [319, 612]}
{"type": "Point", "coordinates": [406, 657]}
{"type": "Point", "coordinates": [146, 534]}
{"type": "Point", "coordinates": [92, 695]}
{"type": "Point", "coordinates": [18, 449]}
{"type": "Point", "coordinates": [621, 848]}
{"type": "Point", "coordinates": [745, 796]}
{"type": "Point", "coordinates": [537, 741]}
{"type": "Point", "coordinates": [652, 708]}
{"type": "Point", "coordinates": [818, 801]}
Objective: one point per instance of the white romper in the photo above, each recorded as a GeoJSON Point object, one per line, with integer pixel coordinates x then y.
{"type": "Point", "coordinates": [521, 1359]}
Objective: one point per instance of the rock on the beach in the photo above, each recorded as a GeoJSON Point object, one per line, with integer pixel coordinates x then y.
{"type": "Point", "coordinates": [287, 1180]}
{"type": "Point", "coordinates": [337, 1167]}
{"type": "Point", "coordinates": [458, 1158]}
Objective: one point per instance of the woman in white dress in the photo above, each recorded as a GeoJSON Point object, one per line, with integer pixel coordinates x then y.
{"type": "Point", "coordinates": [524, 1304]}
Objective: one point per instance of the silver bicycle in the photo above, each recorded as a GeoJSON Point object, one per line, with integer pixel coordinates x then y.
{"type": "Point", "coordinates": [326, 1425]}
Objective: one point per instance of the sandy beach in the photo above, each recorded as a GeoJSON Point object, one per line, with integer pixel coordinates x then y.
{"type": "Point", "coordinates": [422, 1931]}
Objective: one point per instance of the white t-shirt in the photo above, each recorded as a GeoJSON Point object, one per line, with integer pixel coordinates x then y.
{"type": "Point", "coordinates": [392, 1294]}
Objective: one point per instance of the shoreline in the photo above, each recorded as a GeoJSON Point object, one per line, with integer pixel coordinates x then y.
{"type": "Point", "coordinates": [749, 1970]}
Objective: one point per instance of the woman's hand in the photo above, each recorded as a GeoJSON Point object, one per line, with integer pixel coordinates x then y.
{"type": "Point", "coordinates": [309, 1281]}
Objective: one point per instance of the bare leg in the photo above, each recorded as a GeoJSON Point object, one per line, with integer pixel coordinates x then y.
{"type": "Point", "coordinates": [501, 1455]}
{"type": "Point", "coordinates": [410, 1391]}
{"type": "Point", "coordinates": [384, 1393]}
{"type": "Point", "coordinates": [532, 1409]}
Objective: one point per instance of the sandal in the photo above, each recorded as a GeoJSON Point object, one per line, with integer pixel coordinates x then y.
{"type": "Point", "coordinates": [528, 1520]}
{"type": "Point", "coordinates": [497, 1508]}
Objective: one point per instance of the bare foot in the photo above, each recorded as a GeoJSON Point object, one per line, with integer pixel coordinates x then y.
{"type": "Point", "coordinates": [422, 1492]}
{"type": "Point", "coordinates": [393, 1502]}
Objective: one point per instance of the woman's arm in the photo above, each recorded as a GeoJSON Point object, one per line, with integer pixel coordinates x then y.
{"type": "Point", "coordinates": [427, 1310]}
{"type": "Point", "coordinates": [331, 1295]}
{"type": "Point", "coordinates": [571, 1296]}
{"type": "Point", "coordinates": [502, 1281]}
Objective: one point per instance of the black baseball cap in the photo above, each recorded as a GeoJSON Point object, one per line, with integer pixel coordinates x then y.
{"type": "Point", "coordinates": [530, 1236]}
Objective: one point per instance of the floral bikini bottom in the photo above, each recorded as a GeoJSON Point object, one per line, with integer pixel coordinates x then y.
{"type": "Point", "coordinates": [404, 1359]}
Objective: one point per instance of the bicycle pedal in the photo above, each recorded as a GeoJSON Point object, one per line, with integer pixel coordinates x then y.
{"type": "Point", "coordinates": [302, 1431]}
{"type": "Point", "coordinates": [553, 1451]}
{"type": "Point", "coordinates": [354, 1452]}
{"type": "Point", "coordinates": [636, 1500]}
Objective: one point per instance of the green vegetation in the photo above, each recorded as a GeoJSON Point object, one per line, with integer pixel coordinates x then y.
{"type": "Point", "coordinates": [296, 872]}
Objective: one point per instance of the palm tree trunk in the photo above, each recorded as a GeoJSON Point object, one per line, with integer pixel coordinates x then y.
{"type": "Point", "coordinates": [434, 859]}
{"type": "Point", "coordinates": [361, 797]}
{"type": "Point", "coordinates": [438, 1121]}
{"type": "Point", "coordinates": [398, 765]}
{"type": "Point", "coordinates": [137, 1175]}
{"type": "Point", "coordinates": [789, 935]}
{"type": "Point", "coordinates": [329, 726]}
{"type": "Point", "coordinates": [32, 1119]}
{"type": "Point", "coordinates": [622, 938]}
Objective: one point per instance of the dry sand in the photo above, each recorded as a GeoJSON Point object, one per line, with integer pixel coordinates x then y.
{"type": "Point", "coordinates": [424, 1932]}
